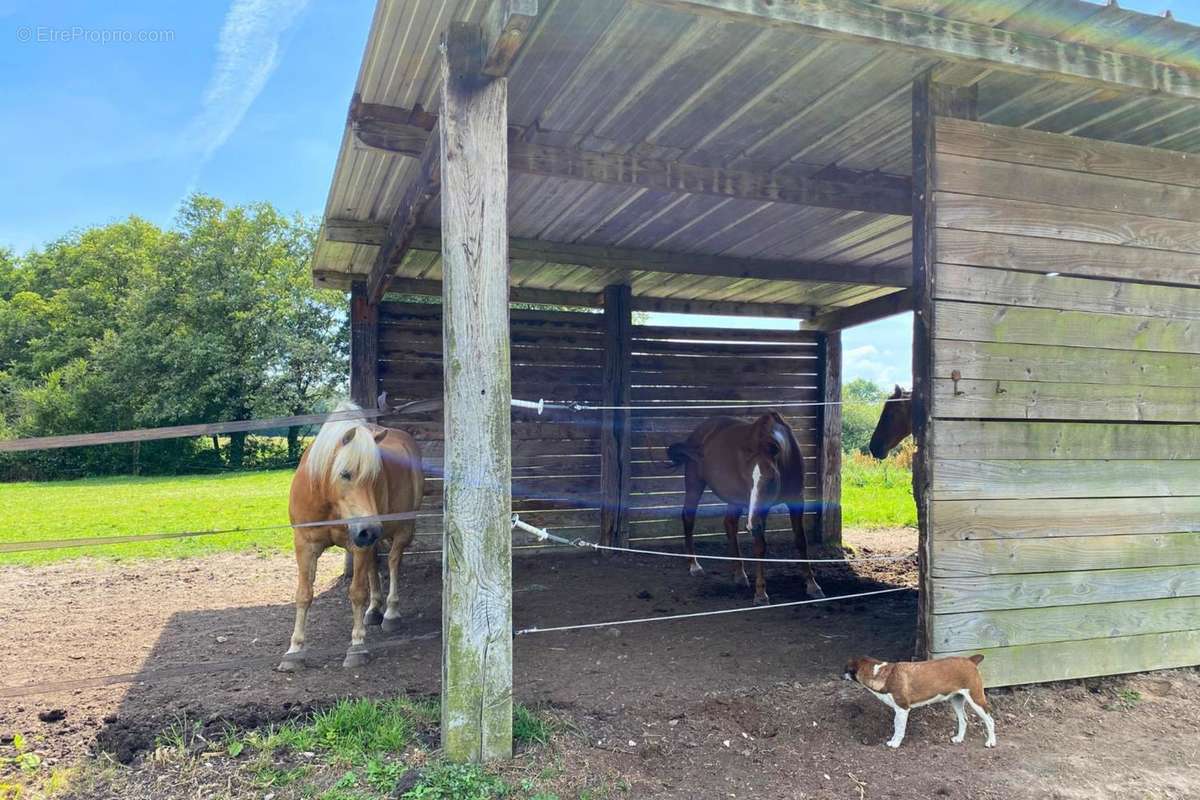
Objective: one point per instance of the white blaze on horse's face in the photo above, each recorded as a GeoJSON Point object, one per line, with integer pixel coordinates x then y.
{"type": "Point", "coordinates": [352, 481]}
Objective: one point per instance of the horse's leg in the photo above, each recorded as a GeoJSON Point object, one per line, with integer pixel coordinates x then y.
{"type": "Point", "coordinates": [693, 491]}
{"type": "Point", "coordinates": [374, 615]}
{"type": "Point", "coordinates": [391, 617]}
{"type": "Point", "coordinates": [796, 511]}
{"type": "Point", "coordinates": [306, 573]}
{"type": "Point", "coordinates": [732, 514]}
{"type": "Point", "coordinates": [364, 560]}
{"type": "Point", "coordinates": [760, 575]}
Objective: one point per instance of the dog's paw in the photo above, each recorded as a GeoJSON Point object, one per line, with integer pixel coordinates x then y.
{"type": "Point", "coordinates": [990, 743]}
{"type": "Point", "coordinates": [956, 739]}
{"type": "Point", "coordinates": [893, 744]}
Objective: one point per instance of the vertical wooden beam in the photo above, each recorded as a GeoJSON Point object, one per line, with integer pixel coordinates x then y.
{"type": "Point", "coordinates": [615, 454]}
{"type": "Point", "coordinates": [830, 467]}
{"type": "Point", "coordinates": [364, 361]}
{"type": "Point", "coordinates": [477, 545]}
{"type": "Point", "coordinates": [364, 346]}
{"type": "Point", "coordinates": [929, 100]}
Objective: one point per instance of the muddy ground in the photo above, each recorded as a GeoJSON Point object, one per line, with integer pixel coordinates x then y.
{"type": "Point", "coordinates": [747, 705]}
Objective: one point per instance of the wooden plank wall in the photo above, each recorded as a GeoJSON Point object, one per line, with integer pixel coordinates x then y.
{"type": "Point", "coordinates": [699, 366]}
{"type": "Point", "coordinates": [556, 356]}
{"type": "Point", "coordinates": [1066, 482]}
{"type": "Point", "coordinates": [559, 356]}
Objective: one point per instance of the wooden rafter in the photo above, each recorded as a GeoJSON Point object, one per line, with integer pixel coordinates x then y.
{"type": "Point", "coordinates": [558, 297]}
{"type": "Point", "coordinates": [884, 194]}
{"type": "Point", "coordinates": [955, 40]}
{"type": "Point", "coordinates": [403, 226]}
{"type": "Point", "coordinates": [880, 308]}
{"type": "Point", "coordinates": [641, 260]}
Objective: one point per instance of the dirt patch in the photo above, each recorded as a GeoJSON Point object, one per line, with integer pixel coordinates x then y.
{"type": "Point", "coordinates": [722, 706]}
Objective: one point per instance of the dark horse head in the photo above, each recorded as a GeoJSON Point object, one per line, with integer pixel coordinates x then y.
{"type": "Point", "coordinates": [894, 423]}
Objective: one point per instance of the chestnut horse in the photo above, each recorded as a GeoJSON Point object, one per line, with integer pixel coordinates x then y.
{"type": "Point", "coordinates": [752, 466]}
{"type": "Point", "coordinates": [894, 423]}
{"type": "Point", "coordinates": [352, 470]}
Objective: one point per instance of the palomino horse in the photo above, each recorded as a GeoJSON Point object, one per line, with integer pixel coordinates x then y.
{"type": "Point", "coordinates": [752, 466]}
{"type": "Point", "coordinates": [894, 423]}
{"type": "Point", "coordinates": [351, 470]}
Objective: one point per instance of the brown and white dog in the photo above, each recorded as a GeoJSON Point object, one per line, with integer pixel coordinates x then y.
{"type": "Point", "coordinates": [905, 685]}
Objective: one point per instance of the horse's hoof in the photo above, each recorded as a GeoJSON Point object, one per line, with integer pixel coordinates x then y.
{"type": "Point", "coordinates": [292, 662]}
{"type": "Point", "coordinates": [762, 600]}
{"type": "Point", "coordinates": [391, 624]}
{"type": "Point", "coordinates": [742, 581]}
{"type": "Point", "coordinates": [814, 591]}
{"type": "Point", "coordinates": [356, 659]}
{"type": "Point", "coordinates": [696, 570]}
{"type": "Point", "coordinates": [373, 618]}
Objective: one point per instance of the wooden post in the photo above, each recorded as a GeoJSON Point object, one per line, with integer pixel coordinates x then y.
{"type": "Point", "coordinates": [929, 100]}
{"type": "Point", "coordinates": [830, 468]}
{"type": "Point", "coordinates": [364, 346]}
{"type": "Point", "coordinates": [477, 543]}
{"type": "Point", "coordinates": [615, 452]}
{"type": "Point", "coordinates": [364, 362]}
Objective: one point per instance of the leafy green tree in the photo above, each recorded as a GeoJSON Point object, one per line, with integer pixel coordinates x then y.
{"type": "Point", "coordinates": [863, 403]}
{"type": "Point", "coordinates": [127, 325]}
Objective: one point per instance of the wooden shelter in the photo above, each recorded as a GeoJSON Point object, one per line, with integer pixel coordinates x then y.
{"type": "Point", "coordinates": [1021, 173]}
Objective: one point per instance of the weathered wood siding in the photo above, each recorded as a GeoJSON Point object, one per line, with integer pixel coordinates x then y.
{"type": "Point", "coordinates": [1065, 509]}
{"type": "Point", "coordinates": [559, 356]}
{"type": "Point", "coordinates": [679, 367]}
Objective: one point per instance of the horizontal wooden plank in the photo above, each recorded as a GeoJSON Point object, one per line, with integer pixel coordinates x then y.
{"type": "Point", "coordinates": [1046, 589]}
{"type": "Point", "coordinates": [1055, 151]}
{"type": "Point", "coordinates": [1008, 666]}
{"type": "Point", "coordinates": [1019, 519]}
{"type": "Point", "coordinates": [1035, 254]}
{"type": "Point", "coordinates": [1063, 554]}
{"type": "Point", "coordinates": [723, 393]}
{"type": "Point", "coordinates": [751, 336]}
{"type": "Point", "coordinates": [997, 479]}
{"type": "Point", "coordinates": [1053, 364]}
{"type": "Point", "coordinates": [674, 500]}
{"type": "Point", "coordinates": [742, 350]}
{"type": "Point", "coordinates": [981, 439]}
{"type": "Point", "coordinates": [980, 322]}
{"type": "Point", "coordinates": [390, 311]}
{"type": "Point", "coordinates": [1024, 218]}
{"type": "Point", "coordinates": [1035, 290]}
{"type": "Point", "coordinates": [972, 399]}
{"type": "Point", "coordinates": [747, 377]}
{"type": "Point", "coordinates": [981, 176]}
{"type": "Point", "coordinates": [724, 365]}
{"type": "Point", "coordinates": [1021, 626]}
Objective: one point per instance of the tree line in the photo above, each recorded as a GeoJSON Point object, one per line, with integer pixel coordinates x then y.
{"type": "Point", "coordinates": [131, 325]}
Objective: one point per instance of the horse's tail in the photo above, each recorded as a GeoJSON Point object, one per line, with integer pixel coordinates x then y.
{"type": "Point", "coordinates": [680, 453]}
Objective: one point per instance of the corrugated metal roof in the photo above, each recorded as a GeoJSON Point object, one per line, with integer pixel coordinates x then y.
{"type": "Point", "coordinates": [617, 76]}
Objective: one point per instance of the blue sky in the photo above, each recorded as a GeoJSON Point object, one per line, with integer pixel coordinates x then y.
{"type": "Point", "coordinates": [245, 100]}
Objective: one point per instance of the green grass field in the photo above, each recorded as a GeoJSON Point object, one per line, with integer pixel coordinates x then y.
{"type": "Point", "coordinates": [877, 494]}
{"type": "Point", "coordinates": [126, 505]}
{"type": "Point", "coordinates": [874, 495]}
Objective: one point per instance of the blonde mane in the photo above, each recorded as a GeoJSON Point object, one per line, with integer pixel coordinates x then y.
{"type": "Point", "coordinates": [327, 457]}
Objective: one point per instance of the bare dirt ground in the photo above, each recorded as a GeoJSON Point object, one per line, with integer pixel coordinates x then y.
{"type": "Point", "coordinates": [747, 705]}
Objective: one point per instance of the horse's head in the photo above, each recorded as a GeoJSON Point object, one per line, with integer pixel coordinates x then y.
{"type": "Point", "coordinates": [769, 443]}
{"type": "Point", "coordinates": [894, 423]}
{"type": "Point", "coordinates": [345, 462]}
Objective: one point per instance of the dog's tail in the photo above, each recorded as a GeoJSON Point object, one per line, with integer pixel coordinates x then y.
{"type": "Point", "coordinates": [680, 453]}
{"type": "Point", "coordinates": [976, 658]}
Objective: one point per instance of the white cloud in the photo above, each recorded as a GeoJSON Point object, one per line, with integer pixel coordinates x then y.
{"type": "Point", "coordinates": [880, 352]}
{"type": "Point", "coordinates": [247, 53]}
